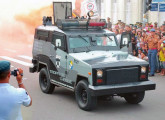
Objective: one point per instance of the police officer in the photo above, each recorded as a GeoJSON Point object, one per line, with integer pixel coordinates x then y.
{"type": "Point", "coordinates": [152, 40]}
{"type": "Point", "coordinates": [109, 24]}
{"type": "Point", "coordinates": [12, 98]}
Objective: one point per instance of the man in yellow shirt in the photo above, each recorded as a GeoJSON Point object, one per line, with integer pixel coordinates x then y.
{"type": "Point", "coordinates": [162, 57]}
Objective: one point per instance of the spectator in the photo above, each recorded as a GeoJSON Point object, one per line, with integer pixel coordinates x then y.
{"type": "Point", "coordinates": [116, 26]}
{"type": "Point", "coordinates": [139, 53]}
{"type": "Point", "coordinates": [122, 25]}
{"type": "Point", "coordinates": [144, 57]}
{"type": "Point", "coordinates": [161, 53]}
{"type": "Point", "coordinates": [147, 42]}
{"type": "Point", "coordinates": [162, 28]}
{"type": "Point", "coordinates": [139, 40]}
{"type": "Point", "coordinates": [11, 98]}
{"type": "Point", "coordinates": [133, 39]}
{"type": "Point", "coordinates": [121, 31]}
{"type": "Point", "coordinates": [156, 26]}
{"type": "Point", "coordinates": [151, 27]}
{"type": "Point", "coordinates": [145, 49]}
{"type": "Point", "coordinates": [147, 27]}
{"type": "Point", "coordinates": [152, 40]}
{"type": "Point", "coordinates": [144, 35]}
{"type": "Point", "coordinates": [109, 24]}
{"type": "Point", "coordinates": [162, 58]}
{"type": "Point", "coordinates": [118, 36]}
{"type": "Point", "coordinates": [158, 32]}
{"type": "Point", "coordinates": [119, 22]}
{"type": "Point", "coordinates": [127, 28]}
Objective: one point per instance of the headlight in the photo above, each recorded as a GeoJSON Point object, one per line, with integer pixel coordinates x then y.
{"type": "Point", "coordinates": [143, 69]}
{"type": "Point", "coordinates": [99, 73]}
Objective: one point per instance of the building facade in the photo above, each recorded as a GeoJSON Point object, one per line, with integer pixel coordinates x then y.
{"type": "Point", "coordinates": [128, 11]}
{"type": "Point", "coordinates": [156, 16]}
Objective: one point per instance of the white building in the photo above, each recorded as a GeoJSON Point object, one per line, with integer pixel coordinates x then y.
{"type": "Point", "coordinates": [129, 11]}
{"type": "Point", "coordinates": [155, 16]}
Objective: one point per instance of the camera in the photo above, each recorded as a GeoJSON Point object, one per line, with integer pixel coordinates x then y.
{"type": "Point", "coordinates": [14, 72]}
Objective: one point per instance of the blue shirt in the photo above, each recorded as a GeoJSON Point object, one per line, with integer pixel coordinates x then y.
{"type": "Point", "coordinates": [11, 100]}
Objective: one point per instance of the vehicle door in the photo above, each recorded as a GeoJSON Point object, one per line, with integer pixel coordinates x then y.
{"type": "Point", "coordinates": [125, 43]}
{"type": "Point", "coordinates": [58, 58]}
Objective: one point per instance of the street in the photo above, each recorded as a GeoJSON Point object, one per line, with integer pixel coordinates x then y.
{"type": "Point", "coordinates": [61, 105]}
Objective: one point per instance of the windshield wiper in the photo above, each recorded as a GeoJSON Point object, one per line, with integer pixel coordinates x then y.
{"type": "Point", "coordinates": [83, 38]}
{"type": "Point", "coordinates": [108, 37]}
{"type": "Point", "coordinates": [86, 42]}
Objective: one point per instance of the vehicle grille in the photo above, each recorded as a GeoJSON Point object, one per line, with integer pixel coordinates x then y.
{"type": "Point", "coordinates": [122, 75]}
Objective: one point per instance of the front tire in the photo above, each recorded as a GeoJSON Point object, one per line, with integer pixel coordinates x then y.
{"type": "Point", "coordinates": [44, 81]}
{"type": "Point", "coordinates": [83, 97]}
{"type": "Point", "coordinates": [134, 98]}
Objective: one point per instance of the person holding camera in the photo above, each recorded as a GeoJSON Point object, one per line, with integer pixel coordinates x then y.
{"type": "Point", "coordinates": [12, 98]}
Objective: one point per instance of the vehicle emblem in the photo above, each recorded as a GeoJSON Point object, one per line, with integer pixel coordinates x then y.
{"type": "Point", "coordinates": [71, 65]}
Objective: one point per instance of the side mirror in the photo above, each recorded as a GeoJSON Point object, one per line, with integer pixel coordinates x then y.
{"type": "Point", "coordinates": [58, 42]}
{"type": "Point", "coordinates": [125, 39]}
{"type": "Point", "coordinates": [125, 43]}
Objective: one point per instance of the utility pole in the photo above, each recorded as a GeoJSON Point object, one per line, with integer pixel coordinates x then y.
{"type": "Point", "coordinates": [146, 8]}
{"type": "Point", "coordinates": [158, 12]}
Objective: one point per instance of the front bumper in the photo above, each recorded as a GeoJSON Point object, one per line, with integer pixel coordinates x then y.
{"type": "Point", "coordinates": [121, 88]}
{"type": "Point", "coordinates": [34, 68]}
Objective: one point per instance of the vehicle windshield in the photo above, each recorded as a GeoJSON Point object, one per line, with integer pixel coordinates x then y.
{"type": "Point", "coordinates": [105, 41]}
{"type": "Point", "coordinates": [86, 43]}
{"type": "Point", "coordinates": [77, 42]}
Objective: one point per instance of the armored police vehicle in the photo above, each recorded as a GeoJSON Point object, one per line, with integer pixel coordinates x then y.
{"type": "Point", "coordinates": [82, 56]}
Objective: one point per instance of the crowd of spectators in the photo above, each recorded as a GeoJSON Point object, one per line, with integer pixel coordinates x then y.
{"type": "Point", "coordinates": [148, 42]}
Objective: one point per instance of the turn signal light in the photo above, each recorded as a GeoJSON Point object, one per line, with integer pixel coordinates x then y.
{"type": "Point", "coordinates": [89, 73]}
{"type": "Point", "coordinates": [99, 81]}
{"type": "Point", "coordinates": [143, 77]}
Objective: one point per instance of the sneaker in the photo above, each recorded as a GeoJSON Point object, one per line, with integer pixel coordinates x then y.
{"type": "Point", "coordinates": [150, 75]}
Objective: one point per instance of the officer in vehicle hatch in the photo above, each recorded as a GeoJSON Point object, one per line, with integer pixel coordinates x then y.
{"type": "Point", "coordinates": [12, 98]}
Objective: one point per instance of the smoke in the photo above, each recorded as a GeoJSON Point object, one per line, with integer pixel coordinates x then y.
{"type": "Point", "coordinates": [21, 28]}
{"type": "Point", "coordinates": [34, 18]}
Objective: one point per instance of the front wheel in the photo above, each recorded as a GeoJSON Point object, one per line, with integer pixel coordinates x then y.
{"type": "Point", "coordinates": [83, 97]}
{"type": "Point", "coordinates": [134, 98]}
{"type": "Point", "coordinates": [44, 81]}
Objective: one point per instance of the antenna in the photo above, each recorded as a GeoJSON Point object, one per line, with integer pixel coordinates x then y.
{"type": "Point", "coordinates": [66, 11]}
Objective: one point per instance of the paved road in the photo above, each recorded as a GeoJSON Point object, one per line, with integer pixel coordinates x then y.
{"type": "Point", "coordinates": [61, 105]}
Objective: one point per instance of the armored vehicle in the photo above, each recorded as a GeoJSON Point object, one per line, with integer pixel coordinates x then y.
{"type": "Point", "coordinates": [84, 57]}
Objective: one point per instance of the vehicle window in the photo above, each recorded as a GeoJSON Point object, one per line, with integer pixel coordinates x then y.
{"type": "Point", "coordinates": [58, 41]}
{"type": "Point", "coordinates": [42, 33]}
{"type": "Point", "coordinates": [105, 41]}
{"type": "Point", "coordinates": [76, 42]}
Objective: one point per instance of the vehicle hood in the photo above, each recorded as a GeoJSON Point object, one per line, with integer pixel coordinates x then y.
{"type": "Point", "coordinates": [99, 59]}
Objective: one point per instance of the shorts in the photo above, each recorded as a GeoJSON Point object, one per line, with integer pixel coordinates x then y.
{"type": "Point", "coordinates": [162, 63]}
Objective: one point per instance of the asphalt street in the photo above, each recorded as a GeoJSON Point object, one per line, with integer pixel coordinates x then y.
{"type": "Point", "coordinates": [61, 105]}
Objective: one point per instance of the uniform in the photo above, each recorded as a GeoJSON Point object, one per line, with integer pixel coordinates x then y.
{"type": "Point", "coordinates": [109, 25]}
{"type": "Point", "coordinates": [11, 98]}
